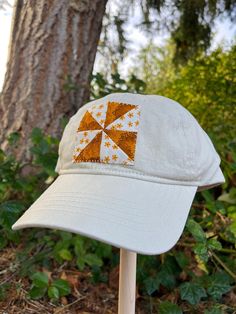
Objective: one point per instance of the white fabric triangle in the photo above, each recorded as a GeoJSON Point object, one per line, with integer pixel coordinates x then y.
{"type": "Point", "coordinates": [83, 138]}
{"type": "Point", "coordinates": [127, 122]}
{"type": "Point", "coordinates": [110, 153]}
{"type": "Point", "coordinates": [99, 112]}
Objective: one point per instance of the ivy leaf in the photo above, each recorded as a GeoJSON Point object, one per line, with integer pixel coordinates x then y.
{"type": "Point", "coordinates": [98, 275]}
{"type": "Point", "coordinates": [40, 280]}
{"type": "Point", "coordinates": [192, 292]}
{"type": "Point", "coordinates": [200, 249]}
{"type": "Point", "coordinates": [196, 230]}
{"type": "Point", "coordinates": [62, 286]}
{"type": "Point", "coordinates": [37, 293]}
{"type": "Point", "coordinates": [168, 272]}
{"type": "Point", "coordinates": [219, 284]}
{"type": "Point", "coordinates": [182, 259]}
{"type": "Point", "coordinates": [151, 284]}
{"type": "Point", "coordinates": [167, 307]}
{"type": "Point", "coordinates": [53, 293]}
{"type": "Point", "coordinates": [214, 244]}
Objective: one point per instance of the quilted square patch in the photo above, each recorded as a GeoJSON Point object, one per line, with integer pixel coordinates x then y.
{"type": "Point", "coordinates": [107, 133]}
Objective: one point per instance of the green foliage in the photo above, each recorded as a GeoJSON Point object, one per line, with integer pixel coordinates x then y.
{"type": "Point", "coordinates": [40, 280]}
{"type": "Point", "coordinates": [200, 268]}
{"type": "Point", "coordinates": [3, 290]}
{"type": "Point", "coordinates": [203, 246]}
{"type": "Point", "coordinates": [41, 285]}
{"type": "Point", "coordinates": [192, 292]}
{"type": "Point", "coordinates": [218, 284]}
{"type": "Point", "coordinates": [44, 150]}
{"type": "Point", "coordinates": [61, 286]}
{"type": "Point", "coordinates": [214, 310]}
{"type": "Point", "coordinates": [205, 86]}
{"type": "Point", "coordinates": [85, 252]}
{"type": "Point", "coordinates": [101, 87]}
{"type": "Point", "coordinates": [196, 230]}
{"type": "Point", "coordinates": [169, 308]}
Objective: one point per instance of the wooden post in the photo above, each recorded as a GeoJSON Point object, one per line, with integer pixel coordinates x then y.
{"type": "Point", "coordinates": [127, 282]}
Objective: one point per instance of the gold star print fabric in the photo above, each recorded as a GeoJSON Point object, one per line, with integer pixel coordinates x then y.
{"type": "Point", "coordinates": [107, 133]}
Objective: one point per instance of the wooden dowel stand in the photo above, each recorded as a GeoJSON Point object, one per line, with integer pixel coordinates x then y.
{"type": "Point", "coordinates": [127, 282]}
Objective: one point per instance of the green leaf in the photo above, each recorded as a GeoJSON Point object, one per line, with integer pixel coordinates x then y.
{"type": "Point", "coordinates": [192, 292]}
{"type": "Point", "coordinates": [196, 230]}
{"type": "Point", "coordinates": [3, 241]}
{"type": "Point", "coordinates": [232, 228]}
{"type": "Point", "coordinates": [98, 275]}
{"type": "Point", "coordinates": [37, 293]}
{"type": "Point", "coordinates": [182, 259]}
{"type": "Point", "coordinates": [2, 293]}
{"type": "Point", "coordinates": [92, 259]}
{"type": "Point", "coordinates": [207, 195]}
{"type": "Point", "coordinates": [168, 272]}
{"type": "Point", "coordinates": [151, 284]}
{"type": "Point", "coordinates": [167, 307]}
{"type": "Point", "coordinates": [103, 250]}
{"type": "Point", "coordinates": [200, 249]}
{"type": "Point", "coordinates": [79, 246]}
{"type": "Point", "coordinates": [65, 254]}
{"type": "Point", "coordinates": [3, 289]}
{"type": "Point", "coordinates": [40, 280]}
{"type": "Point", "coordinates": [62, 286]}
{"type": "Point", "coordinates": [13, 138]}
{"type": "Point", "coordinates": [214, 310]}
{"type": "Point", "coordinates": [80, 263]}
{"type": "Point", "coordinates": [231, 212]}
{"type": "Point", "coordinates": [53, 293]}
{"type": "Point", "coordinates": [65, 235]}
{"type": "Point", "coordinates": [9, 212]}
{"type": "Point", "coordinates": [219, 284]}
{"type": "Point", "coordinates": [36, 135]}
{"type": "Point", "coordinates": [214, 244]}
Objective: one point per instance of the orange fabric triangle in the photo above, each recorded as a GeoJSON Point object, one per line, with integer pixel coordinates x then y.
{"type": "Point", "coordinates": [88, 123]}
{"type": "Point", "coordinates": [125, 140]}
{"type": "Point", "coordinates": [115, 110]}
{"type": "Point", "coordinates": [92, 151]}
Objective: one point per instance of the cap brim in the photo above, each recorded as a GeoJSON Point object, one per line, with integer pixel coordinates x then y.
{"type": "Point", "coordinates": [137, 215]}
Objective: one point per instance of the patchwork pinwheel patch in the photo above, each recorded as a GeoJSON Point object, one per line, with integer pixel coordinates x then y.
{"type": "Point", "coordinates": [107, 133]}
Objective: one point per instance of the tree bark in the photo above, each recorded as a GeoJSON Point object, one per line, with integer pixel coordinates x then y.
{"type": "Point", "coordinates": [53, 44]}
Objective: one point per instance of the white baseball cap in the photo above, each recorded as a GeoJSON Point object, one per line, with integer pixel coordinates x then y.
{"type": "Point", "coordinates": [129, 166]}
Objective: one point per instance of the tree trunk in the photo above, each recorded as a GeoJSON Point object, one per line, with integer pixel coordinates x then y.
{"type": "Point", "coordinates": [53, 46]}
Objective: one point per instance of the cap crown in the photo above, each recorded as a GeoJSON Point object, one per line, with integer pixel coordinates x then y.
{"type": "Point", "coordinates": [147, 137]}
